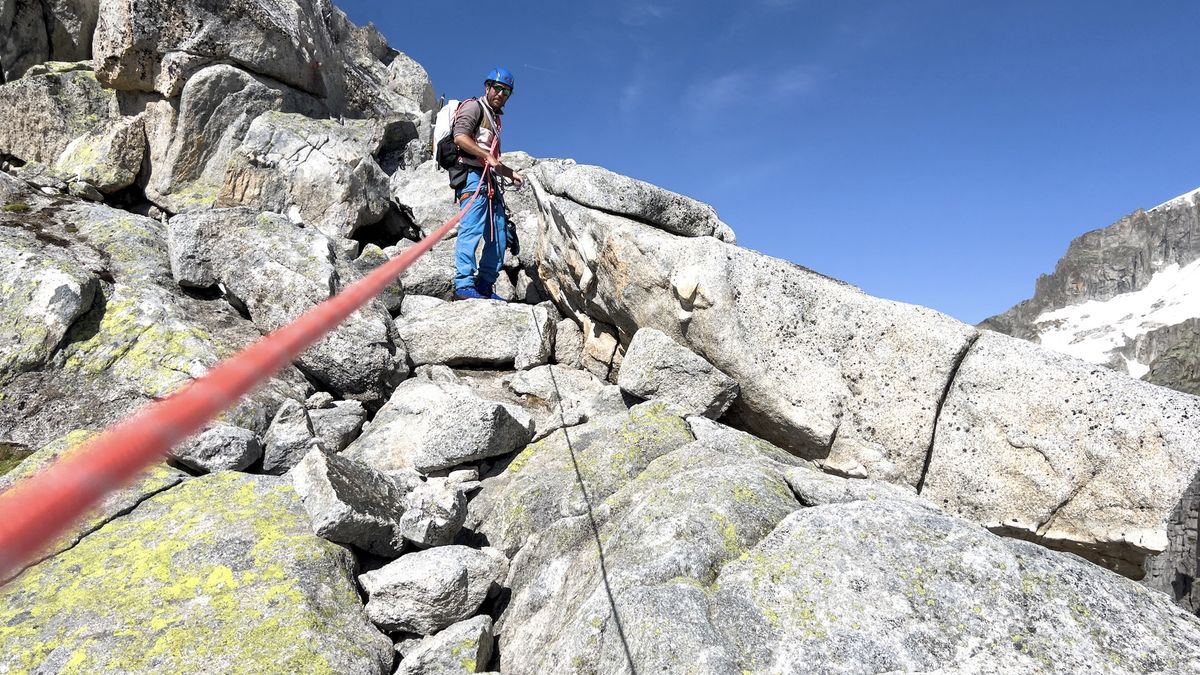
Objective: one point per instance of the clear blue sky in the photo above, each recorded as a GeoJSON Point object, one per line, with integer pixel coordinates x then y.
{"type": "Point", "coordinates": [937, 152]}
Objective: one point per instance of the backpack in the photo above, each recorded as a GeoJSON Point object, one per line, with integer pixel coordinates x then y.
{"type": "Point", "coordinates": [445, 152]}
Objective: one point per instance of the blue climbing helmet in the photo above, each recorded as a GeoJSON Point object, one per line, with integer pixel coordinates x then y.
{"type": "Point", "coordinates": [502, 76]}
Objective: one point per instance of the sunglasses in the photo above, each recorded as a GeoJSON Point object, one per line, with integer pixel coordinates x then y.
{"type": "Point", "coordinates": [502, 90]}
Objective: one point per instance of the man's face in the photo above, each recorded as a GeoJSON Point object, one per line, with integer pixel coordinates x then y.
{"type": "Point", "coordinates": [497, 95]}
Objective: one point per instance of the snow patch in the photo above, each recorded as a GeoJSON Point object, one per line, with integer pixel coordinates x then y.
{"type": "Point", "coordinates": [1094, 330]}
{"type": "Point", "coordinates": [1181, 200]}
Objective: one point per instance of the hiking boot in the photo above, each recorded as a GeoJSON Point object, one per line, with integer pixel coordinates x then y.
{"type": "Point", "coordinates": [487, 293]}
{"type": "Point", "coordinates": [468, 293]}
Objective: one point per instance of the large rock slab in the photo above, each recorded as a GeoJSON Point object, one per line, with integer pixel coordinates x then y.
{"type": "Point", "coordinates": [433, 425]}
{"type": "Point", "coordinates": [825, 370]}
{"type": "Point", "coordinates": [321, 170]}
{"type": "Point", "coordinates": [486, 333]}
{"type": "Point", "coordinates": [278, 270]}
{"type": "Point", "coordinates": [571, 471]}
{"type": "Point", "coordinates": [598, 188]}
{"type": "Point", "coordinates": [220, 573]}
{"type": "Point", "coordinates": [1039, 445]}
{"type": "Point", "coordinates": [193, 142]}
{"type": "Point", "coordinates": [42, 114]}
{"type": "Point", "coordinates": [309, 46]}
{"type": "Point", "coordinates": [711, 565]}
{"type": "Point", "coordinates": [117, 503]}
{"type": "Point", "coordinates": [427, 591]}
{"type": "Point", "coordinates": [655, 366]}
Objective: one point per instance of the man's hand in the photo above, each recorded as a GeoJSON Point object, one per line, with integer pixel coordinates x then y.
{"type": "Point", "coordinates": [518, 179]}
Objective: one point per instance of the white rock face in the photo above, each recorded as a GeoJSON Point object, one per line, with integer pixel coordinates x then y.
{"type": "Point", "coordinates": [489, 333]}
{"type": "Point", "coordinates": [322, 168]}
{"type": "Point", "coordinates": [308, 46]}
{"type": "Point", "coordinates": [603, 190]}
{"type": "Point", "coordinates": [1067, 453]}
{"type": "Point", "coordinates": [657, 367]}
{"type": "Point", "coordinates": [350, 503]}
{"type": "Point", "coordinates": [432, 425]}
{"type": "Point", "coordinates": [825, 370]}
{"type": "Point", "coordinates": [427, 591]}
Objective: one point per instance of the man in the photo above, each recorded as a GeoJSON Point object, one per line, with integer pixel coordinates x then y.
{"type": "Point", "coordinates": [476, 132]}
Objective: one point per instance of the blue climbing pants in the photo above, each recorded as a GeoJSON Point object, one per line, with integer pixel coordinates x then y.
{"type": "Point", "coordinates": [485, 220]}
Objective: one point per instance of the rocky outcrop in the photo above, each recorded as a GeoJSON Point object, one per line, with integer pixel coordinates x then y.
{"type": "Point", "coordinates": [1174, 356]}
{"type": "Point", "coordinates": [811, 481]}
{"type": "Point", "coordinates": [714, 542]}
{"type": "Point", "coordinates": [824, 369]}
{"type": "Point", "coordinates": [197, 138]}
{"type": "Point", "coordinates": [276, 270]}
{"type": "Point", "coordinates": [1104, 263]}
{"type": "Point", "coordinates": [43, 113]}
{"type": "Point", "coordinates": [308, 45]}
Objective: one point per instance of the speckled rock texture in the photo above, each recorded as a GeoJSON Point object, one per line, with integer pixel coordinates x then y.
{"type": "Point", "coordinates": [1064, 452]}
{"type": "Point", "coordinates": [434, 425]}
{"type": "Point", "coordinates": [219, 574]}
{"type": "Point", "coordinates": [657, 367]}
{"type": "Point", "coordinates": [42, 114]}
{"type": "Point", "coordinates": [824, 370]}
{"type": "Point", "coordinates": [310, 46]}
{"type": "Point", "coordinates": [491, 333]}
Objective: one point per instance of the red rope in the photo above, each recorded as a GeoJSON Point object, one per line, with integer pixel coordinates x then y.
{"type": "Point", "coordinates": [38, 509]}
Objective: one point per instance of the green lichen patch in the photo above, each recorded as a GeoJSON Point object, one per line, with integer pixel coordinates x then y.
{"type": "Point", "coordinates": [219, 574]}
{"type": "Point", "coordinates": [549, 479]}
{"type": "Point", "coordinates": [15, 207]}
{"type": "Point", "coordinates": [139, 336]}
{"type": "Point", "coordinates": [152, 481]}
{"type": "Point", "coordinates": [11, 455]}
